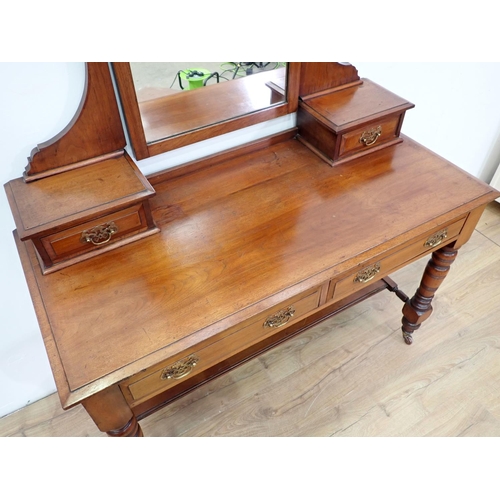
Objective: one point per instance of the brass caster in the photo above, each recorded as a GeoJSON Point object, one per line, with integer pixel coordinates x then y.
{"type": "Point", "coordinates": [407, 338]}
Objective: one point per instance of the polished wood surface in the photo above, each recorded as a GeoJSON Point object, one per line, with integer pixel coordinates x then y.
{"type": "Point", "coordinates": [121, 419]}
{"type": "Point", "coordinates": [316, 77]}
{"type": "Point", "coordinates": [393, 260]}
{"type": "Point", "coordinates": [60, 200]}
{"type": "Point", "coordinates": [208, 354]}
{"type": "Point", "coordinates": [238, 238]}
{"type": "Point", "coordinates": [94, 131]}
{"type": "Point", "coordinates": [164, 124]}
{"type": "Point", "coordinates": [419, 308]}
{"type": "Point", "coordinates": [55, 212]}
{"type": "Point", "coordinates": [350, 121]}
{"type": "Point", "coordinates": [256, 245]}
{"type": "Point", "coordinates": [350, 107]}
{"type": "Point", "coordinates": [351, 375]}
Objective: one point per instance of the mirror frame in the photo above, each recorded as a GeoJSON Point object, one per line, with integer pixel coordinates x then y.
{"type": "Point", "coordinates": [142, 149]}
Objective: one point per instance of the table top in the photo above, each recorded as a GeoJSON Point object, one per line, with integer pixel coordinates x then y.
{"type": "Point", "coordinates": [236, 238]}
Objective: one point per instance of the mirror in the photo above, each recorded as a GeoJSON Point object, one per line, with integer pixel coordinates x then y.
{"type": "Point", "coordinates": [217, 92]}
{"type": "Point", "coordinates": [170, 105]}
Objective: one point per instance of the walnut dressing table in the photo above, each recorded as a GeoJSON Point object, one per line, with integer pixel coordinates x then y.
{"type": "Point", "coordinates": [235, 253]}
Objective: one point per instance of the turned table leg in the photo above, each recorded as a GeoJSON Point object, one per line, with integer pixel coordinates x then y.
{"type": "Point", "coordinates": [111, 413]}
{"type": "Point", "coordinates": [419, 308]}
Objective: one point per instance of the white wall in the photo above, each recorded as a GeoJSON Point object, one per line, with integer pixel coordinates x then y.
{"type": "Point", "coordinates": [457, 108]}
{"type": "Point", "coordinates": [37, 100]}
{"type": "Point", "coordinates": [456, 114]}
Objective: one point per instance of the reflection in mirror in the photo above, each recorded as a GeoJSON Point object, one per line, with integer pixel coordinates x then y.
{"type": "Point", "coordinates": [175, 98]}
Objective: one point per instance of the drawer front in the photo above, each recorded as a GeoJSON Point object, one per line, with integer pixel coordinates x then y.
{"type": "Point", "coordinates": [368, 136]}
{"type": "Point", "coordinates": [389, 263]}
{"type": "Point", "coordinates": [178, 369]}
{"type": "Point", "coordinates": [94, 234]}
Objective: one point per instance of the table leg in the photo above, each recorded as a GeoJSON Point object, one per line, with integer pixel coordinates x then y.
{"type": "Point", "coordinates": [419, 308]}
{"type": "Point", "coordinates": [111, 413]}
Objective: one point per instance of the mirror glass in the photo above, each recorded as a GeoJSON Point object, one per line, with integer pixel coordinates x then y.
{"type": "Point", "coordinates": [175, 98]}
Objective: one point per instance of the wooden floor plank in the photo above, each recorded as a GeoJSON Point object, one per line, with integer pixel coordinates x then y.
{"type": "Point", "coordinates": [489, 225]}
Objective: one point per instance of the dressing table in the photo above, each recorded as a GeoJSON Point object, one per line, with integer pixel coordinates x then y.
{"type": "Point", "coordinates": [146, 288]}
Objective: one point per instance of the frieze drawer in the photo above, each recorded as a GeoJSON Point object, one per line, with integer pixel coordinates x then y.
{"type": "Point", "coordinates": [381, 267]}
{"type": "Point", "coordinates": [177, 369]}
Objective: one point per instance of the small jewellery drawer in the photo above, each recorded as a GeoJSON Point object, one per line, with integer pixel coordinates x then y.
{"type": "Point", "coordinates": [389, 263]}
{"type": "Point", "coordinates": [368, 136]}
{"type": "Point", "coordinates": [351, 121]}
{"type": "Point", "coordinates": [83, 211]}
{"type": "Point", "coordinates": [177, 369]}
{"type": "Point", "coordinates": [94, 233]}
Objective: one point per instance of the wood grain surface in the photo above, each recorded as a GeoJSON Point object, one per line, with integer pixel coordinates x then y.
{"type": "Point", "coordinates": [351, 375]}
{"type": "Point", "coordinates": [269, 224]}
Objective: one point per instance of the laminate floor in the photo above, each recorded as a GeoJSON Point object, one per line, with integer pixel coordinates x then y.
{"type": "Point", "coordinates": [352, 375]}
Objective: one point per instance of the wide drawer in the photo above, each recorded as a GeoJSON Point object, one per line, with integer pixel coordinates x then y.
{"type": "Point", "coordinates": [94, 233]}
{"type": "Point", "coordinates": [369, 135]}
{"type": "Point", "coordinates": [177, 369]}
{"type": "Point", "coordinates": [394, 260]}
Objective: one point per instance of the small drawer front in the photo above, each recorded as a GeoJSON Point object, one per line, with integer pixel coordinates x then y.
{"type": "Point", "coordinates": [94, 234]}
{"type": "Point", "coordinates": [368, 136]}
{"type": "Point", "coordinates": [180, 368]}
{"type": "Point", "coordinates": [387, 264]}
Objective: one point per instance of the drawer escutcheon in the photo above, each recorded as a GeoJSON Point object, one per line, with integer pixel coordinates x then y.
{"type": "Point", "coordinates": [280, 318]}
{"type": "Point", "coordinates": [180, 368]}
{"type": "Point", "coordinates": [99, 235]}
{"type": "Point", "coordinates": [367, 274]}
{"type": "Point", "coordinates": [436, 239]}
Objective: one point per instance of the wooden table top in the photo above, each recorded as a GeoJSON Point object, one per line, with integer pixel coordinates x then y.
{"type": "Point", "coordinates": [236, 238]}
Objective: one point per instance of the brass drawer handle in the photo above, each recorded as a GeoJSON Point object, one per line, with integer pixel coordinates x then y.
{"type": "Point", "coordinates": [370, 137]}
{"type": "Point", "coordinates": [180, 368]}
{"type": "Point", "coordinates": [436, 239]}
{"type": "Point", "coordinates": [280, 318]}
{"type": "Point", "coordinates": [99, 235]}
{"type": "Point", "coordinates": [367, 274]}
